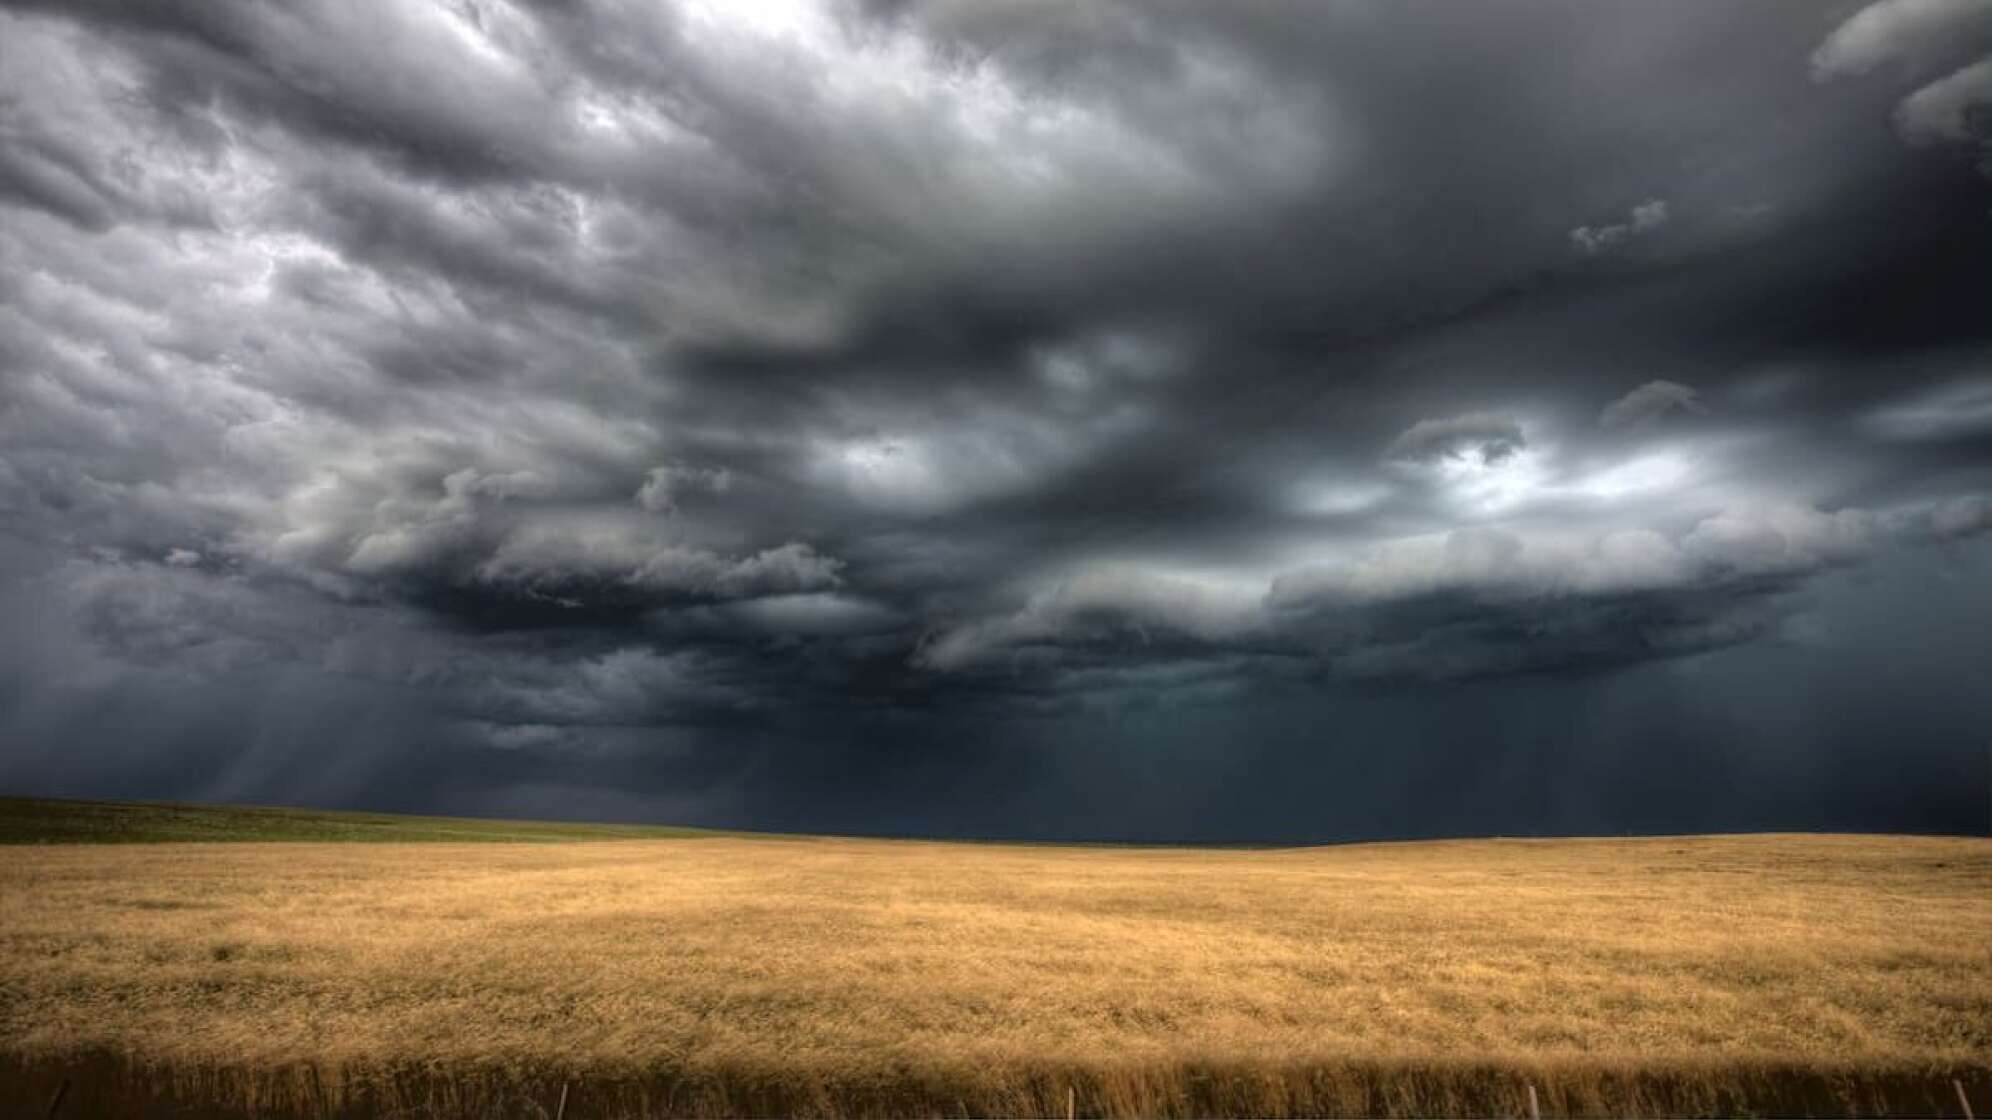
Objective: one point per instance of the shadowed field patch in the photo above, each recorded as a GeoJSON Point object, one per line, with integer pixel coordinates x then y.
{"type": "Point", "coordinates": [29, 820]}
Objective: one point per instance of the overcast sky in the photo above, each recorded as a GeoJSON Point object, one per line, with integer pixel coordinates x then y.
{"type": "Point", "coordinates": [1177, 421]}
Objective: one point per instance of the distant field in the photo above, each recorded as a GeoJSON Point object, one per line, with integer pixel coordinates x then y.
{"type": "Point", "coordinates": [27, 820]}
{"type": "Point", "coordinates": [730, 975]}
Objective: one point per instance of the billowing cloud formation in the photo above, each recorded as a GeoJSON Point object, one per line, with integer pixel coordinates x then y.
{"type": "Point", "coordinates": [1921, 37]}
{"type": "Point", "coordinates": [1952, 108]}
{"type": "Point", "coordinates": [1470, 601]}
{"type": "Point", "coordinates": [1900, 31]}
{"type": "Point", "coordinates": [584, 382]}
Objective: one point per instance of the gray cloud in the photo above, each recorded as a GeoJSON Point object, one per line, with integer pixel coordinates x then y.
{"type": "Point", "coordinates": [639, 383]}
{"type": "Point", "coordinates": [663, 486]}
{"type": "Point", "coordinates": [1912, 32]}
{"type": "Point", "coordinates": [1952, 108]}
{"type": "Point", "coordinates": [1487, 436]}
{"type": "Point", "coordinates": [1644, 219]}
{"type": "Point", "coordinates": [1961, 409]}
{"type": "Point", "coordinates": [1649, 403]}
{"type": "Point", "coordinates": [1923, 38]}
{"type": "Point", "coordinates": [1467, 602]}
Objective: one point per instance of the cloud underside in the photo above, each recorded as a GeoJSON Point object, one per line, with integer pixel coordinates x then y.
{"type": "Point", "coordinates": [1466, 603]}
{"type": "Point", "coordinates": [596, 366]}
{"type": "Point", "coordinates": [1936, 41]}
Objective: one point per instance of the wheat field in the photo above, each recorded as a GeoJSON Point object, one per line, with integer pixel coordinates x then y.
{"type": "Point", "coordinates": [729, 975]}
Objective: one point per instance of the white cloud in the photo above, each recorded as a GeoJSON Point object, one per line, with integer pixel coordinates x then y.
{"type": "Point", "coordinates": [1645, 218]}
{"type": "Point", "coordinates": [1656, 473]}
{"type": "Point", "coordinates": [1908, 31]}
{"type": "Point", "coordinates": [1102, 602]}
{"type": "Point", "coordinates": [812, 614]}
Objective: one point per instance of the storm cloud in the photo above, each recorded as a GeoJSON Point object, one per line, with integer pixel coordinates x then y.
{"type": "Point", "coordinates": [740, 412]}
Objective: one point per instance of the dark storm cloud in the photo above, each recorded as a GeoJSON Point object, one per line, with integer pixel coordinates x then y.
{"type": "Point", "coordinates": [552, 380]}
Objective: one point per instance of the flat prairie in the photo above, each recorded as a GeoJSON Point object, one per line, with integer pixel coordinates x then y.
{"type": "Point", "coordinates": [734, 975]}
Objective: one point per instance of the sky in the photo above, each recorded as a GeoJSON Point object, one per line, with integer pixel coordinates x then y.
{"type": "Point", "coordinates": [1161, 421]}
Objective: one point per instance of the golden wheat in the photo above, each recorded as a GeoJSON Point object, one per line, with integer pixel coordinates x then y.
{"type": "Point", "coordinates": [849, 976]}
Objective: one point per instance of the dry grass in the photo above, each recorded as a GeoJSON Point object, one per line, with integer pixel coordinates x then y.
{"type": "Point", "coordinates": [725, 975]}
